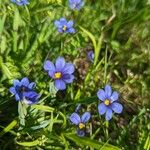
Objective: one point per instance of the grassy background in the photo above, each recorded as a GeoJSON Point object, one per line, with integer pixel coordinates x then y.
{"type": "Point", "coordinates": [119, 33]}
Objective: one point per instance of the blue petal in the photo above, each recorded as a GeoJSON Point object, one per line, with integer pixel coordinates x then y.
{"type": "Point", "coordinates": [60, 30]}
{"type": "Point", "coordinates": [80, 133]}
{"type": "Point", "coordinates": [85, 117]}
{"type": "Point", "coordinates": [12, 90]}
{"type": "Point", "coordinates": [60, 84]}
{"type": "Point", "coordinates": [71, 30]}
{"type": "Point", "coordinates": [60, 63]}
{"type": "Point", "coordinates": [25, 81]}
{"type": "Point", "coordinates": [102, 108]}
{"type": "Point", "coordinates": [108, 90]}
{"type": "Point", "coordinates": [68, 78]}
{"type": "Point", "coordinates": [116, 107]}
{"type": "Point", "coordinates": [68, 68]}
{"type": "Point", "coordinates": [70, 24]}
{"type": "Point", "coordinates": [101, 95]}
{"type": "Point", "coordinates": [17, 83]}
{"type": "Point", "coordinates": [48, 65]}
{"type": "Point", "coordinates": [17, 97]}
{"type": "Point", "coordinates": [108, 114]}
{"type": "Point", "coordinates": [51, 73]}
{"type": "Point", "coordinates": [90, 56]}
{"type": "Point", "coordinates": [114, 96]}
{"type": "Point", "coordinates": [63, 21]}
{"type": "Point", "coordinates": [31, 85]}
{"type": "Point", "coordinates": [58, 24]}
{"type": "Point", "coordinates": [75, 118]}
{"type": "Point", "coordinates": [30, 94]}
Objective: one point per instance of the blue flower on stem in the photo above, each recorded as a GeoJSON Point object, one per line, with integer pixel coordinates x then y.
{"type": "Point", "coordinates": [61, 72]}
{"type": "Point", "coordinates": [80, 122]}
{"type": "Point", "coordinates": [76, 4]}
{"type": "Point", "coordinates": [63, 26]}
{"type": "Point", "coordinates": [20, 2]}
{"type": "Point", "coordinates": [23, 91]}
{"type": "Point", "coordinates": [109, 102]}
{"type": "Point", "coordinates": [90, 56]}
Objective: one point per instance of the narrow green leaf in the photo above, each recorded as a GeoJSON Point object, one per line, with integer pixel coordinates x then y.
{"type": "Point", "coordinates": [8, 128]}
{"type": "Point", "coordinates": [84, 141]}
{"type": "Point", "coordinates": [29, 144]}
{"type": "Point", "coordinates": [44, 108]}
{"type": "Point", "coordinates": [91, 36]}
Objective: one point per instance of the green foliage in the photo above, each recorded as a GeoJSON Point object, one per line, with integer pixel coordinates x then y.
{"type": "Point", "coordinates": [118, 31]}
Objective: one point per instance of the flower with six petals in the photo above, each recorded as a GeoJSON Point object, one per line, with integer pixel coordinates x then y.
{"type": "Point", "coordinates": [76, 4]}
{"type": "Point", "coordinates": [109, 102]}
{"type": "Point", "coordinates": [64, 26]}
{"type": "Point", "coordinates": [61, 72]}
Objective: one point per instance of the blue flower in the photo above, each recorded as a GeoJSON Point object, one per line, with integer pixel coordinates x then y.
{"type": "Point", "coordinates": [63, 26]}
{"type": "Point", "coordinates": [61, 72]}
{"type": "Point", "coordinates": [80, 122]}
{"type": "Point", "coordinates": [109, 102]}
{"type": "Point", "coordinates": [90, 56]}
{"type": "Point", "coordinates": [23, 91]}
{"type": "Point", "coordinates": [76, 4]}
{"type": "Point", "coordinates": [20, 2]}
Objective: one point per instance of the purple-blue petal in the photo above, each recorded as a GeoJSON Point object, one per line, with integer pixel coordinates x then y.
{"type": "Point", "coordinates": [58, 24]}
{"type": "Point", "coordinates": [60, 84]}
{"type": "Point", "coordinates": [108, 90]}
{"type": "Point", "coordinates": [75, 118]}
{"type": "Point", "coordinates": [68, 68]}
{"type": "Point", "coordinates": [68, 78]}
{"type": "Point", "coordinates": [51, 73]}
{"type": "Point", "coordinates": [60, 30]}
{"type": "Point", "coordinates": [12, 90]}
{"type": "Point", "coordinates": [31, 85]}
{"type": "Point", "coordinates": [48, 65]}
{"type": "Point", "coordinates": [114, 96]}
{"type": "Point", "coordinates": [102, 108]}
{"type": "Point", "coordinates": [63, 21]}
{"type": "Point", "coordinates": [25, 81]}
{"type": "Point", "coordinates": [101, 95]}
{"type": "Point", "coordinates": [17, 82]}
{"type": "Point", "coordinates": [108, 114]}
{"type": "Point", "coordinates": [71, 30]}
{"type": "Point", "coordinates": [70, 24]}
{"type": "Point", "coordinates": [17, 97]}
{"type": "Point", "coordinates": [60, 63]}
{"type": "Point", "coordinates": [80, 133]}
{"type": "Point", "coordinates": [116, 107]}
{"type": "Point", "coordinates": [90, 55]}
{"type": "Point", "coordinates": [85, 117]}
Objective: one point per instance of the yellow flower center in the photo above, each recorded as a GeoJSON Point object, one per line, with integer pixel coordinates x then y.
{"type": "Point", "coordinates": [64, 28]}
{"type": "Point", "coordinates": [107, 102]}
{"type": "Point", "coordinates": [81, 125]}
{"type": "Point", "coordinates": [57, 75]}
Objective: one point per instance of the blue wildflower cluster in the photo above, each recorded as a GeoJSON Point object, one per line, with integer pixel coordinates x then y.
{"type": "Point", "coordinates": [62, 73]}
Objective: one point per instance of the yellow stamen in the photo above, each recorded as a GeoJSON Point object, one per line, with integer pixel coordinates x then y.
{"type": "Point", "coordinates": [107, 102]}
{"type": "Point", "coordinates": [57, 75]}
{"type": "Point", "coordinates": [81, 125]}
{"type": "Point", "coordinates": [64, 28]}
